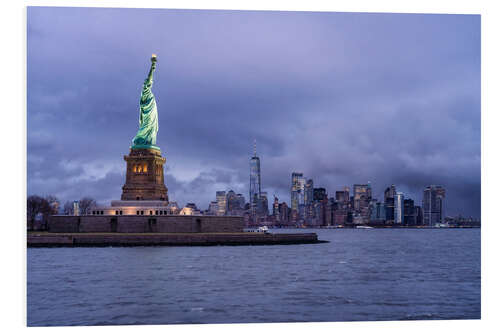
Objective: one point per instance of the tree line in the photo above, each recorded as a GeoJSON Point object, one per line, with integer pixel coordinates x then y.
{"type": "Point", "coordinates": [39, 208]}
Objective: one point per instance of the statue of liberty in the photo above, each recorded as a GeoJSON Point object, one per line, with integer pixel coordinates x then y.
{"type": "Point", "coordinates": [148, 118]}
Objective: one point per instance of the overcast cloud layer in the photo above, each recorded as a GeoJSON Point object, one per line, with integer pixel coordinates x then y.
{"type": "Point", "coordinates": [344, 98]}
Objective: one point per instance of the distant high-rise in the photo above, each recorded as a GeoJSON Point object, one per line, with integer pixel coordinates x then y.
{"type": "Point", "coordinates": [263, 204]}
{"type": "Point", "coordinates": [399, 208]}
{"type": "Point", "coordinates": [362, 197]}
{"type": "Point", "coordinates": [377, 212]}
{"type": "Point", "coordinates": [213, 208]}
{"type": "Point", "coordinates": [341, 206]}
{"type": "Point", "coordinates": [390, 192]}
{"type": "Point", "coordinates": [221, 202]}
{"type": "Point", "coordinates": [233, 203]}
{"type": "Point", "coordinates": [241, 200]}
{"type": "Point", "coordinates": [308, 192]}
{"type": "Point", "coordinates": [343, 196]}
{"type": "Point", "coordinates": [319, 194]}
{"type": "Point", "coordinates": [409, 212]}
{"type": "Point", "coordinates": [418, 215]}
{"type": "Point", "coordinates": [432, 204]}
{"type": "Point", "coordinates": [389, 195]}
{"type": "Point", "coordinates": [297, 190]}
{"type": "Point", "coordinates": [284, 213]}
{"type": "Point", "coordinates": [276, 206]}
{"type": "Point", "coordinates": [255, 189]}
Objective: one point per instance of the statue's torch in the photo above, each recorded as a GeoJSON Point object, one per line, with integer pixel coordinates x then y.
{"type": "Point", "coordinates": [153, 57]}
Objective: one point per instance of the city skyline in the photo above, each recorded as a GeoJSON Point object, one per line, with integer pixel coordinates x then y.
{"type": "Point", "coordinates": [351, 98]}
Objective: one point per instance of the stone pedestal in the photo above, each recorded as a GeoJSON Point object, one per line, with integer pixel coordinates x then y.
{"type": "Point", "coordinates": [144, 179]}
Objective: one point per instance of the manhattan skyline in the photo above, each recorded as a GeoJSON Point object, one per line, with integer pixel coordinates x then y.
{"type": "Point", "coordinates": [342, 97]}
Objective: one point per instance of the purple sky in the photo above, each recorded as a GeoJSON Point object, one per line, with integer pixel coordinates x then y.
{"type": "Point", "coordinates": [342, 97]}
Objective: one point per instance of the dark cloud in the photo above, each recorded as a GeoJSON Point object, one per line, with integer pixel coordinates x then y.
{"type": "Point", "coordinates": [343, 97]}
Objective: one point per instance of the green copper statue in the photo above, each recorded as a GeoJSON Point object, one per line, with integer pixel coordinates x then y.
{"type": "Point", "coordinates": [148, 119]}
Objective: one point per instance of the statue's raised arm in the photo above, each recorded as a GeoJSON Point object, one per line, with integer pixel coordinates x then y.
{"type": "Point", "coordinates": [148, 83]}
{"type": "Point", "coordinates": [148, 117]}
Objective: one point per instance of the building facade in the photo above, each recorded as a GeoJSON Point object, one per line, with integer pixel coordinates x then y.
{"type": "Point", "coordinates": [399, 208]}
{"type": "Point", "coordinates": [362, 196]}
{"type": "Point", "coordinates": [389, 195]}
{"type": "Point", "coordinates": [221, 202]}
{"type": "Point", "coordinates": [297, 191]}
{"type": "Point", "coordinates": [433, 205]}
{"type": "Point", "coordinates": [255, 182]}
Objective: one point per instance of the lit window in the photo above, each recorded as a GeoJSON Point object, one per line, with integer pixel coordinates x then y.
{"type": "Point", "coordinates": [135, 168]}
{"type": "Point", "coordinates": [145, 168]}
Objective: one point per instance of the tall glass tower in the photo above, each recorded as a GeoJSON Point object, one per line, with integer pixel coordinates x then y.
{"type": "Point", "coordinates": [297, 191]}
{"type": "Point", "coordinates": [432, 204]}
{"type": "Point", "coordinates": [399, 210]}
{"type": "Point", "coordinates": [255, 192]}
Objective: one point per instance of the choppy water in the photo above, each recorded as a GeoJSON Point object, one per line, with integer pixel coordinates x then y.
{"type": "Point", "coordinates": [360, 275]}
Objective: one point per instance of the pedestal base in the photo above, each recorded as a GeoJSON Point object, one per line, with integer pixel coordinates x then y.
{"type": "Point", "coordinates": [145, 180]}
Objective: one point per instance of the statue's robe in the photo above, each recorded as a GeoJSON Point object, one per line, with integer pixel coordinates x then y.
{"type": "Point", "coordinates": [148, 118]}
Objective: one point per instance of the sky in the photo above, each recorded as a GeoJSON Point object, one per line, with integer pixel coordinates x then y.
{"type": "Point", "coordinates": [345, 98]}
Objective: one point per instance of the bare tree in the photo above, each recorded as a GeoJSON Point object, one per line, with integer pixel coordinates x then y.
{"type": "Point", "coordinates": [36, 205]}
{"type": "Point", "coordinates": [86, 204]}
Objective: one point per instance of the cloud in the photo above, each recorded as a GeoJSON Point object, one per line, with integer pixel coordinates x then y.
{"type": "Point", "coordinates": [343, 97]}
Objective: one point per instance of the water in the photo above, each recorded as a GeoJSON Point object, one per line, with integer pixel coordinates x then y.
{"type": "Point", "coordinates": [374, 274]}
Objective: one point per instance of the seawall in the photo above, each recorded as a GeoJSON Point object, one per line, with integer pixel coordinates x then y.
{"type": "Point", "coordinates": [166, 239]}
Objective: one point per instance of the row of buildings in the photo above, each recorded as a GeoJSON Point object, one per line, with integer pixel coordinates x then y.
{"type": "Point", "coordinates": [312, 206]}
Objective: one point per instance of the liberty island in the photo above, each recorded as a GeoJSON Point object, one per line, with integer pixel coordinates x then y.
{"type": "Point", "coordinates": [143, 215]}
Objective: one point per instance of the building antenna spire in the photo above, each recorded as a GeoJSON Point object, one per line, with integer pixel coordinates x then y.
{"type": "Point", "coordinates": [255, 147]}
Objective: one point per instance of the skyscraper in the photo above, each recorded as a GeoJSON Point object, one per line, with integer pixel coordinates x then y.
{"type": "Point", "coordinates": [297, 190]}
{"type": "Point", "coordinates": [399, 208]}
{"type": "Point", "coordinates": [263, 204]}
{"type": "Point", "coordinates": [276, 206]}
{"type": "Point", "coordinates": [255, 190]}
{"type": "Point", "coordinates": [409, 212]}
{"type": "Point", "coordinates": [221, 202]}
{"type": "Point", "coordinates": [308, 192]}
{"type": "Point", "coordinates": [342, 206]}
{"type": "Point", "coordinates": [389, 195]}
{"type": "Point", "coordinates": [377, 212]}
{"type": "Point", "coordinates": [362, 197]}
{"type": "Point", "coordinates": [319, 194]}
{"type": "Point", "coordinates": [213, 208]}
{"type": "Point", "coordinates": [418, 215]}
{"type": "Point", "coordinates": [241, 200]}
{"type": "Point", "coordinates": [390, 192]}
{"type": "Point", "coordinates": [432, 204]}
{"type": "Point", "coordinates": [343, 196]}
{"type": "Point", "coordinates": [320, 202]}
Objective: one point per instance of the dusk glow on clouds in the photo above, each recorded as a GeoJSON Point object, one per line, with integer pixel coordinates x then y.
{"type": "Point", "coordinates": [344, 98]}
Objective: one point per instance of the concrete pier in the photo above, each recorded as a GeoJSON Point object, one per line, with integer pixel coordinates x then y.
{"type": "Point", "coordinates": [46, 239]}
